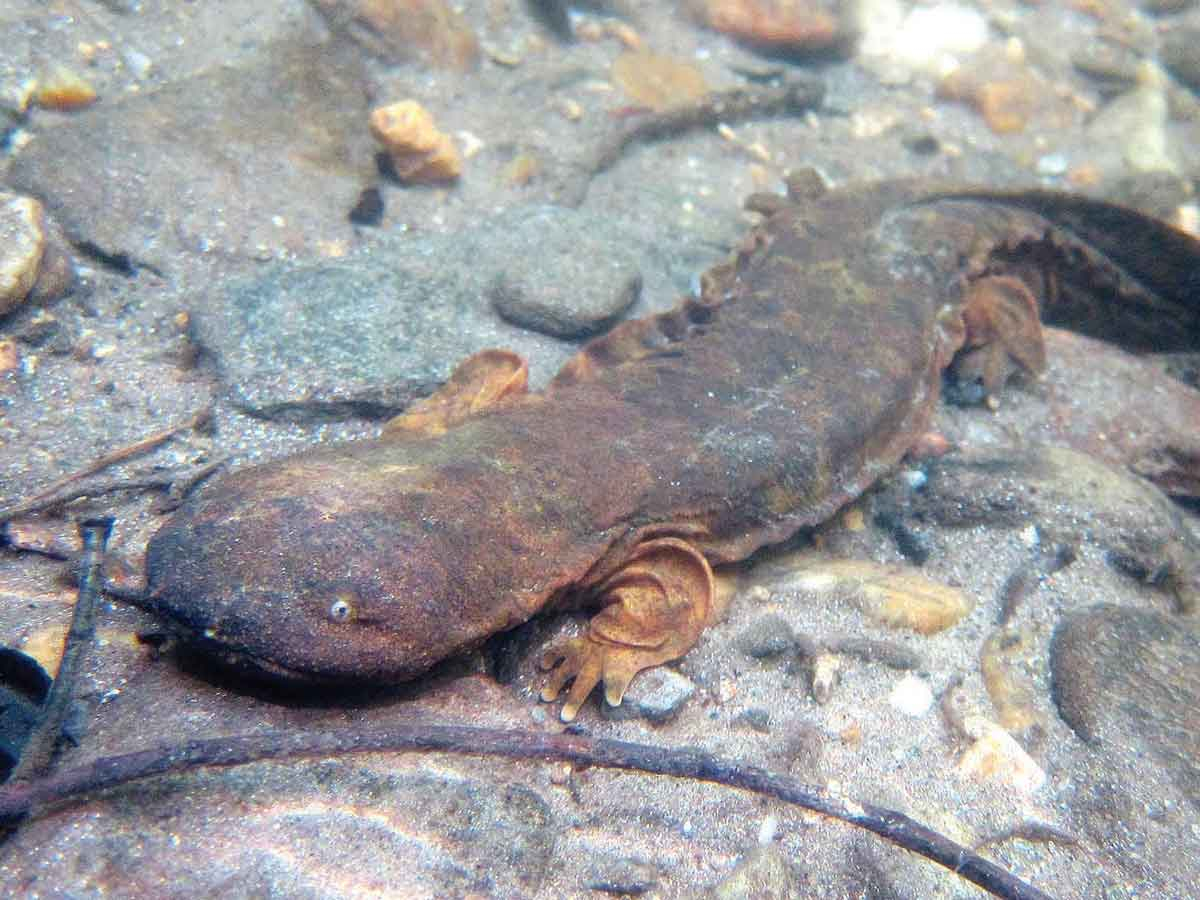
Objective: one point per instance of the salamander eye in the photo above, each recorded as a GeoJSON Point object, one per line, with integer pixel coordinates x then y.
{"type": "Point", "coordinates": [340, 610]}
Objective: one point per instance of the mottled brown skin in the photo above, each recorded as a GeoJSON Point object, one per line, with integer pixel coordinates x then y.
{"type": "Point", "coordinates": [808, 366]}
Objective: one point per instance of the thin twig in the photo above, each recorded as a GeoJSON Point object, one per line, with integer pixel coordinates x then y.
{"type": "Point", "coordinates": [19, 801]}
{"type": "Point", "coordinates": [121, 454]}
{"type": "Point", "coordinates": [715, 108]}
{"type": "Point", "coordinates": [176, 484]}
{"type": "Point", "coordinates": [39, 749]}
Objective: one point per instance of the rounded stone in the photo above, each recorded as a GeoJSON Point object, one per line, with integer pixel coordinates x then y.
{"type": "Point", "coordinates": [22, 246]}
{"type": "Point", "coordinates": [566, 276]}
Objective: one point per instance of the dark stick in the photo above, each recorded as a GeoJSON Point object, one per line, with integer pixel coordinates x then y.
{"type": "Point", "coordinates": [176, 485]}
{"type": "Point", "coordinates": [58, 492]}
{"type": "Point", "coordinates": [721, 107]}
{"type": "Point", "coordinates": [18, 801]}
{"type": "Point", "coordinates": [39, 750]}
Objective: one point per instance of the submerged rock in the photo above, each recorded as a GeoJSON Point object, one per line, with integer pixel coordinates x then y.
{"type": "Point", "coordinates": [35, 263]}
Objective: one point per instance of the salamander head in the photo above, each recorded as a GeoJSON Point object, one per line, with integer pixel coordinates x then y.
{"type": "Point", "coordinates": [312, 583]}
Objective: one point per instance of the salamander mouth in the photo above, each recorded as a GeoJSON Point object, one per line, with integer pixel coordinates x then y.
{"type": "Point", "coordinates": [242, 663]}
{"type": "Point", "coordinates": [199, 643]}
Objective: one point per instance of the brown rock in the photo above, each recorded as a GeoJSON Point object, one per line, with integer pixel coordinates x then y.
{"type": "Point", "coordinates": [1006, 104]}
{"type": "Point", "coordinates": [1010, 690]}
{"type": "Point", "coordinates": [396, 30]}
{"type": "Point", "coordinates": [9, 357]}
{"type": "Point", "coordinates": [996, 756]}
{"type": "Point", "coordinates": [419, 152]}
{"type": "Point", "coordinates": [780, 25]}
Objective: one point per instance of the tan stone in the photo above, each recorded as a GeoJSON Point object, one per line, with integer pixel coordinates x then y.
{"type": "Point", "coordinates": [996, 756]}
{"type": "Point", "coordinates": [419, 152]}
{"type": "Point", "coordinates": [895, 596]}
{"type": "Point", "coordinates": [1010, 691]}
{"type": "Point", "coordinates": [34, 262]}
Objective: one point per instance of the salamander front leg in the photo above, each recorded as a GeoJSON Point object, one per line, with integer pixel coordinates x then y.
{"type": "Point", "coordinates": [655, 607]}
{"type": "Point", "coordinates": [1003, 334]}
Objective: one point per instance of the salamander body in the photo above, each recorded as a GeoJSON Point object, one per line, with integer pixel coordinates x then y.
{"type": "Point", "coordinates": [808, 365]}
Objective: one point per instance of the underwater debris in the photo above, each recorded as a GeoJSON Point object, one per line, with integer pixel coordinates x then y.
{"type": "Point", "coordinates": [419, 153]}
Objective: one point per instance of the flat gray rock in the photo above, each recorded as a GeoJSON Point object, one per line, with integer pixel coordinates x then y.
{"type": "Point", "coordinates": [368, 335]}
{"type": "Point", "coordinates": [656, 694]}
{"type": "Point", "coordinates": [255, 160]}
{"type": "Point", "coordinates": [562, 272]}
{"type": "Point", "coordinates": [333, 340]}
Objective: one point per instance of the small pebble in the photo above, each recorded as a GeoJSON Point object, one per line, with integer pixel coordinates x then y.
{"type": "Point", "coordinates": [757, 718]}
{"type": "Point", "coordinates": [10, 357]}
{"type": "Point", "coordinates": [34, 261]}
{"type": "Point", "coordinates": [825, 668]}
{"type": "Point", "coordinates": [1137, 124]}
{"type": "Point", "coordinates": [656, 694]}
{"type": "Point", "coordinates": [1052, 165]}
{"type": "Point", "coordinates": [418, 151]}
{"type": "Point", "coordinates": [758, 594]}
{"type": "Point", "coordinates": [368, 211]}
{"type": "Point", "coordinates": [894, 596]}
{"type": "Point", "coordinates": [1009, 689]}
{"type": "Point", "coordinates": [768, 830]}
{"type": "Point", "coordinates": [912, 696]}
{"type": "Point", "coordinates": [995, 755]}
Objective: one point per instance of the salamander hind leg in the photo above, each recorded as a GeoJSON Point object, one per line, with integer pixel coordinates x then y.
{"type": "Point", "coordinates": [655, 607]}
{"type": "Point", "coordinates": [1003, 336]}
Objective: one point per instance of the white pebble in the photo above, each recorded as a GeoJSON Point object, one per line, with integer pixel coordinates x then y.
{"type": "Point", "coordinates": [912, 696]}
